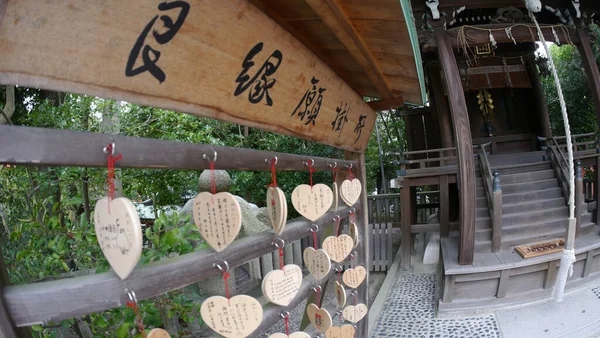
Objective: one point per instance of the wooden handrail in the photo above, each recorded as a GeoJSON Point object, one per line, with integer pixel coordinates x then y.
{"type": "Point", "coordinates": [494, 197]}
{"type": "Point", "coordinates": [576, 136]}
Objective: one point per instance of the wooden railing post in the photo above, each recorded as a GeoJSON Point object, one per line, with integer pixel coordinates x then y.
{"type": "Point", "coordinates": [444, 206]}
{"type": "Point", "coordinates": [597, 186]}
{"type": "Point", "coordinates": [497, 214]}
{"type": "Point", "coordinates": [578, 198]}
{"type": "Point", "coordinates": [405, 214]}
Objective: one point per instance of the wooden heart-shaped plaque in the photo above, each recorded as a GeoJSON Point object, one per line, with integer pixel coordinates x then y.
{"type": "Point", "coordinates": [317, 262]}
{"type": "Point", "coordinates": [314, 202]}
{"type": "Point", "coordinates": [350, 191]}
{"type": "Point", "coordinates": [340, 294]}
{"type": "Point", "coordinates": [218, 218]}
{"type": "Point", "coordinates": [338, 248]}
{"type": "Point", "coordinates": [319, 318]}
{"type": "Point", "coordinates": [119, 234]}
{"type": "Point", "coordinates": [277, 208]}
{"type": "Point", "coordinates": [158, 333]}
{"type": "Point", "coordinates": [345, 331]}
{"type": "Point", "coordinates": [292, 335]}
{"type": "Point", "coordinates": [236, 318]}
{"type": "Point", "coordinates": [354, 313]}
{"type": "Point", "coordinates": [354, 277]}
{"type": "Point", "coordinates": [281, 286]}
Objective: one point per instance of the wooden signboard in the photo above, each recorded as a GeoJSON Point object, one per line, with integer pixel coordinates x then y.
{"type": "Point", "coordinates": [220, 59]}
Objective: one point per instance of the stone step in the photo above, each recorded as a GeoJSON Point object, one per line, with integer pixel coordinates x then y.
{"type": "Point", "coordinates": [522, 168]}
{"type": "Point", "coordinates": [526, 217]}
{"type": "Point", "coordinates": [538, 205]}
{"type": "Point", "coordinates": [521, 187]}
{"type": "Point", "coordinates": [527, 177]}
{"type": "Point", "coordinates": [514, 240]}
{"type": "Point", "coordinates": [516, 158]}
{"type": "Point", "coordinates": [523, 197]}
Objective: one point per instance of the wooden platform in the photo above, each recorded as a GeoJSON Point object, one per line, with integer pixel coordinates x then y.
{"type": "Point", "coordinates": [502, 279]}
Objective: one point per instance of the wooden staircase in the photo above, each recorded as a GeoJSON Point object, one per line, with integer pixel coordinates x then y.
{"type": "Point", "coordinates": [533, 205]}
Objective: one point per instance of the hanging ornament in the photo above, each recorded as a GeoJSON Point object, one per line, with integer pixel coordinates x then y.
{"type": "Point", "coordinates": [354, 313]}
{"type": "Point", "coordinates": [217, 216]}
{"type": "Point", "coordinates": [276, 202]}
{"type": "Point", "coordinates": [281, 286]}
{"type": "Point", "coordinates": [117, 225]}
{"type": "Point", "coordinates": [350, 189]}
{"type": "Point", "coordinates": [493, 41]}
{"type": "Point", "coordinates": [338, 248]}
{"type": "Point", "coordinates": [354, 277]}
{"type": "Point", "coordinates": [312, 201]}
{"type": "Point", "coordinates": [319, 317]}
{"type": "Point", "coordinates": [340, 294]}
{"type": "Point", "coordinates": [231, 317]}
{"type": "Point", "coordinates": [345, 331]}
{"type": "Point", "coordinates": [158, 333]}
{"type": "Point", "coordinates": [316, 260]}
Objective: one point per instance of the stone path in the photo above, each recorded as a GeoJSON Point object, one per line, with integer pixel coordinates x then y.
{"type": "Point", "coordinates": [409, 311]}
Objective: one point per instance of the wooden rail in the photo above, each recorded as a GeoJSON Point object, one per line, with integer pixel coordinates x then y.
{"type": "Point", "coordinates": [493, 192]}
{"type": "Point", "coordinates": [54, 301]}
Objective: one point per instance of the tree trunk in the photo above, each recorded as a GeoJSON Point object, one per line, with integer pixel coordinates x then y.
{"type": "Point", "coordinates": [9, 107]}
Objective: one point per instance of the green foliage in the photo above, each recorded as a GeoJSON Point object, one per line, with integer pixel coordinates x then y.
{"type": "Point", "coordinates": [576, 91]}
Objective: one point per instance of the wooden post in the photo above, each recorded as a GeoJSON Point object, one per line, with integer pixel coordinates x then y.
{"type": "Point", "coordinates": [7, 327]}
{"type": "Point", "coordinates": [540, 98]}
{"type": "Point", "coordinates": [444, 206]}
{"type": "Point", "coordinates": [405, 213]}
{"type": "Point", "coordinates": [464, 147]}
{"type": "Point", "coordinates": [578, 198]}
{"type": "Point", "coordinates": [440, 105]}
{"type": "Point", "coordinates": [591, 69]}
{"type": "Point", "coordinates": [497, 216]}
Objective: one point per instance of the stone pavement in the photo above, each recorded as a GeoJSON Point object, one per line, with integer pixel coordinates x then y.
{"type": "Point", "coordinates": [409, 302]}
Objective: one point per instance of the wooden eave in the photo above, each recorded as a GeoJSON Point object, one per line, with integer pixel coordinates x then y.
{"type": "Point", "coordinates": [366, 43]}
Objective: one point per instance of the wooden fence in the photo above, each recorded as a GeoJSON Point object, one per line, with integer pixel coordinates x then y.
{"type": "Point", "coordinates": [54, 301]}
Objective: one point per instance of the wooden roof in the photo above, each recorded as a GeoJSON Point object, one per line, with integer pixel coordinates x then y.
{"type": "Point", "coordinates": [367, 43]}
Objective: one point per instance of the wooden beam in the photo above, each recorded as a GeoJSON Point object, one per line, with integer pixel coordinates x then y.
{"type": "Point", "coordinates": [381, 105]}
{"type": "Point", "coordinates": [591, 70]}
{"type": "Point", "coordinates": [464, 147]}
{"type": "Point", "coordinates": [335, 18]}
{"type": "Point", "coordinates": [261, 77]}
{"type": "Point", "coordinates": [52, 147]}
{"type": "Point", "coordinates": [440, 104]}
{"type": "Point", "coordinates": [58, 300]}
{"type": "Point", "coordinates": [7, 325]}
{"type": "Point", "coordinates": [480, 34]}
{"type": "Point", "coordinates": [406, 222]}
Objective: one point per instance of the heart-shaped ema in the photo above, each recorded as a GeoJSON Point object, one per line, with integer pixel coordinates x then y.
{"type": "Point", "coordinates": [340, 294]}
{"type": "Point", "coordinates": [345, 331]}
{"type": "Point", "coordinates": [338, 248]}
{"type": "Point", "coordinates": [236, 318]}
{"type": "Point", "coordinates": [354, 313]}
{"type": "Point", "coordinates": [158, 333]}
{"type": "Point", "coordinates": [218, 218]}
{"type": "Point", "coordinates": [317, 262]}
{"type": "Point", "coordinates": [119, 234]}
{"type": "Point", "coordinates": [354, 277]}
{"type": "Point", "coordinates": [319, 318]}
{"type": "Point", "coordinates": [277, 208]}
{"type": "Point", "coordinates": [281, 286]}
{"type": "Point", "coordinates": [350, 191]}
{"type": "Point", "coordinates": [353, 232]}
{"type": "Point", "coordinates": [314, 202]}
{"type": "Point", "coordinates": [292, 335]}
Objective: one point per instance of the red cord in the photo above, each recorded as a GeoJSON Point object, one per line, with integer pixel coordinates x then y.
{"type": "Point", "coordinates": [111, 173]}
{"type": "Point", "coordinates": [314, 239]}
{"type": "Point", "coordinates": [350, 177]}
{"type": "Point", "coordinates": [287, 325]}
{"type": "Point", "coordinates": [334, 173]}
{"type": "Point", "coordinates": [138, 318]}
{"type": "Point", "coordinates": [213, 182]}
{"type": "Point", "coordinates": [319, 299]}
{"type": "Point", "coordinates": [225, 277]}
{"type": "Point", "coordinates": [311, 170]}
{"type": "Point", "coordinates": [280, 258]}
{"type": "Point", "coordinates": [273, 174]}
{"type": "Point", "coordinates": [337, 226]}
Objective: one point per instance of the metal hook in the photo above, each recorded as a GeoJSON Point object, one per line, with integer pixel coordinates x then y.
{"type": "Point", "coordinates": [222, 265]}
{"type": "Point", "coordinates": [316, 288]}
{"type": "Point", "coordinates": [353, 254]}
{"type": "Point", "coordinates": [284, 314]}
{"type": "Point", "coordinates": [349, 167]}
{"type": "Point", "coordinates": [204, 156]}
{"type": "Point", "coordinates": [131, 295]}
{"type": "Point", "coordinates": [354, 293]}
{"type": "Point", "coordinates": [312, 162]}
{"type": "Point", "coordinates": [339, 312]}
{"type": "Point", "coordinates": [274, 158]}
{"type": "Point", "coordinates": [332, 166]}
{"type": "Point", "coordinates": [352, 210]}
{"type": "Point", "coordinates": [336, 218]}
{"type": "Point", "coordinates": [112, 148]}
{"type": "Point", "coordinates": [314, 228]}
{"type": "Point", "coordinates": [276, 242]}
{"type": "Point", "coordinates": [338, 268]}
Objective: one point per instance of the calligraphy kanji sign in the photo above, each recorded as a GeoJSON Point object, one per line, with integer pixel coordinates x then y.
{"type": "Point", "coordinates": [219, 59]}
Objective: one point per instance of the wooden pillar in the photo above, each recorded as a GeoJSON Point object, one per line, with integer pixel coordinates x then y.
{"type": "Point", "coordinates": [597, 189]}
{"type": "Point", "coordinates": [540, 99]}
{"type": "Point", "coordinates": [464, 147]}
{"type": "Point", "coordinates": [7, 327]}
{"type": "Point", "coordinates": [406, 239]}
{"type": "Point", "coordinates": [444, 206]}
{"type": "Point", "coordinates": [591, 69]}
{"type": "Point", "coordinates": [440, 104]}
